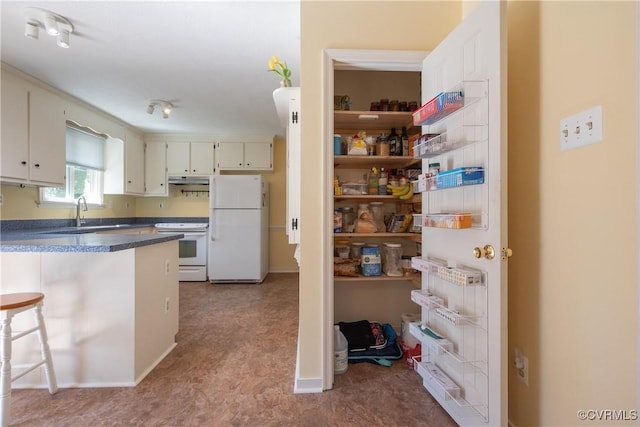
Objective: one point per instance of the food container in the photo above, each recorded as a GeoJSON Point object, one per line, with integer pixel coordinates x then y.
{"type": "Point", "coordinates": [342, 251]}
{"type": "Point", "coordinates": [460, 176]}
{"type": "Point", "coordinates": [354, 188]}
{"type": "Point", "coordinates": [371, 263]}
{"type": "Point", "coordinates": [447, 220]}
{"type": "Point", "coordinates": [348, 219]}
{"type": "Point", "coordinates": [392, 264]}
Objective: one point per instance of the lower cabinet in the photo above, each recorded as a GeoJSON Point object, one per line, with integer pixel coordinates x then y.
{"type": "Point", "coordinates": [111, 317]}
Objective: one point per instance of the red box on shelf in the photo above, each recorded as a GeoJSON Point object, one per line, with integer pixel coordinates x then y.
{"type": "Point", "coordinates": [438, 107]}
{"type": "Point", "coordinates": [426, 111]}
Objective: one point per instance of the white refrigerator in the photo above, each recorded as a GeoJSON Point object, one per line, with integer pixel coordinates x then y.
{"type": "Point", "coordinates": [238, 229]}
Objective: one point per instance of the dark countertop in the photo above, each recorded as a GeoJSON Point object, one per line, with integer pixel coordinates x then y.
{"type": "Point", "coordinates": [80, 239]}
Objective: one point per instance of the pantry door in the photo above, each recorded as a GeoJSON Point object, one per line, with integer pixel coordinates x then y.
{"type": "Point", "coordinates": [472, 59]}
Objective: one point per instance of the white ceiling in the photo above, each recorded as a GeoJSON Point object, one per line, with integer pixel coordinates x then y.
{"type": "Point", "coordinates": [208, 58]}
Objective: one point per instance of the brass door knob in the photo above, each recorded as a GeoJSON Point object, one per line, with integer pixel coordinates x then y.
{"type": "Point", "coordinates": [487, 252]}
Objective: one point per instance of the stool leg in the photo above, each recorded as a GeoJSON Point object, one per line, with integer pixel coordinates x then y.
{"type": "Point", "coordinates": [46, 352]}
{"type": "Point", "coordinates": [5, 359]}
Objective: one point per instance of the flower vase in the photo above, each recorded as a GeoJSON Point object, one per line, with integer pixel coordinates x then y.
{"type": "Point", "coordinates": [285, 83]}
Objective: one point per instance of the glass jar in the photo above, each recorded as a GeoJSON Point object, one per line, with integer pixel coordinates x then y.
{"type": "Point", "coordinates": [342, 249]}
{"type": "Point", "coordinates": [392, 262]}
{"type": "Point", "coordinates": [377, 210]}
{"type": "Point", "coordinates": [356, 250]}
{"type": "Point", "coordinates": [382, 145]}
{"type": "Point", "coordinates": [348, 219]}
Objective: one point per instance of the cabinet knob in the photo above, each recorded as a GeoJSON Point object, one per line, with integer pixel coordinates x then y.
{"type": "Point", "coordinates": [37, 165]}
{"type": "Point", "coordinates": [128, 182]}
{"type": "Point", "coordinates": [23, 162]}
{"type": "Point", "coordinates": [186, 170]}
{"type": "Point", "coordinates": [161, 184]}
{"type": "Point", "coordinates": [239, 164]}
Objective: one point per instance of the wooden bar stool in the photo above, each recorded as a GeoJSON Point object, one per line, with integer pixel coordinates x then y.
{"type": "Point", "coordinates": [10, 305]}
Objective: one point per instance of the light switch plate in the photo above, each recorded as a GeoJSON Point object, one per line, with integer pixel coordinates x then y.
{"type": "Point", "coordinates": [581, 129]}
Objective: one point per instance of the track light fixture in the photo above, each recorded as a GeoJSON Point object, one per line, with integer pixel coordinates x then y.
{"type": "Point", "coordinates": [165, 105]}
{"type": "Point", "coordinates": [54, 24]}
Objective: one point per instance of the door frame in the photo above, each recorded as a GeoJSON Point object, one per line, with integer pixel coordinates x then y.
{"type": "Point", "coordinates": [347, 59]}
{"type": "Point", "coordinates": [637, 204]}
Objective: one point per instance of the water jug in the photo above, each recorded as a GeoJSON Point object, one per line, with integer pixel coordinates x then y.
{"type": "Point", "coordinates": [340, 362]}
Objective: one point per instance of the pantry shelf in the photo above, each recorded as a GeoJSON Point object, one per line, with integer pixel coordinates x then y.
{"type": "Point", "coordinates": [375, 197]}
{"type": "Point", "coordinates": [382, 278]}
{"type": "Point", "coordinates": [355, 121]}
{"type": "Point", "coordinates": [366, 162]}
{"type": "Point", "coordinates": [415, 236]}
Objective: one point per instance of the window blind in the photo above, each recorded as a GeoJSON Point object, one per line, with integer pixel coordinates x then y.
{"type": "Point", "coordinates": [85, 149]}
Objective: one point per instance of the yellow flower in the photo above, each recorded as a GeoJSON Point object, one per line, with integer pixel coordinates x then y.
{"type": "Point", "coordinates": [280, 68]}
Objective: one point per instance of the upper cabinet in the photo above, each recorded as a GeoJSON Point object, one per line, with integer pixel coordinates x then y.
{"type": "Point", "coordinates": [155, 169]}
{"type": "Point", "coordinates": [190, 158]}
{"type": "Point", "coordinates": [33, 134]}
{"type": "Point", "coordinates": [244, 155]}
{"type": "Point", "coordinates": [124, 165]}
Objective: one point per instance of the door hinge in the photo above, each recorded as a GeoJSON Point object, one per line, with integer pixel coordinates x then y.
{"type": "Point", "coordinates": [294, 117]}
{"type": "Point", "coordinates": [294, 223]}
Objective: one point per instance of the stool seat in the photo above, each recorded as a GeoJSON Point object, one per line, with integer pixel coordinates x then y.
{"type": "Point", "coordinates": [19, 300]}
{"type": "Point", "coordinates": [11, 305]}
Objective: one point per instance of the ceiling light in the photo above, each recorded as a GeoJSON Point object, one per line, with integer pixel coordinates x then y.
{"type": "Point", "coordinates": [51, 24]}
{"type": "Point", "coordinates": [32, 29]}
{"type": "Point", "coordinates": [63, 39]}
{"type": "Point", "coordinates": [166, 107]}
{"type": "Point", "coordinates": [55, 24]}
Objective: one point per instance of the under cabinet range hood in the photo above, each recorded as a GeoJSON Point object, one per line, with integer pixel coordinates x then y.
{"type": "Point", "coordinates": [188, 180]}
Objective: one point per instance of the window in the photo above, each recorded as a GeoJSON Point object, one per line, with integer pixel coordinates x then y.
{"type": "Point", "coordinates": [85, 166]}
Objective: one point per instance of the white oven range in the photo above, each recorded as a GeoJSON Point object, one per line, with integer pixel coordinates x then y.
{"type": "Point", "coordinates": [192, 249]}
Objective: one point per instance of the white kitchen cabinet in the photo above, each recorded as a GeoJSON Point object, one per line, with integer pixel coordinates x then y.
{"type": "Point", "coordinates": [155, 169]}
{"type": "Point", "coordinates": [124, 165]}
{"type": "Point", "coordinates": [190, 158]}
{"type": "Point", "coordinates": [33, 134]}
{"type": "Point", "coordinates": [244, 155]}
{"type": "Point", "coordinates": [287, 102]}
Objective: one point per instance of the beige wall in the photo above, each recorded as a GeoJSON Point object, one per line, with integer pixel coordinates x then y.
{"type": "Point", "coordinates": [343, 25]}
{"type": "Point", "coordinates": [572, 215]}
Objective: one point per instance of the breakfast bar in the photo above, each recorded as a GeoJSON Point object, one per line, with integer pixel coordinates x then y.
{"type": "Point", "coordinates": [111, 302]}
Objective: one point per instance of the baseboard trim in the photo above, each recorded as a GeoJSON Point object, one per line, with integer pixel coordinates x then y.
{"type": "Point", "coordinates": [305, 385]}
{"type": "Point", "coordinates": [288, 270]}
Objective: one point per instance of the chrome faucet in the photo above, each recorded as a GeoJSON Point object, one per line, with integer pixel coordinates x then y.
{"type": "Point", "coordinates": [79, 220]}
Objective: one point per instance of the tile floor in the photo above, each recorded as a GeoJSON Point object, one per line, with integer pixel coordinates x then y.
{"type": "Point", "coordinates": [234, 366]}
